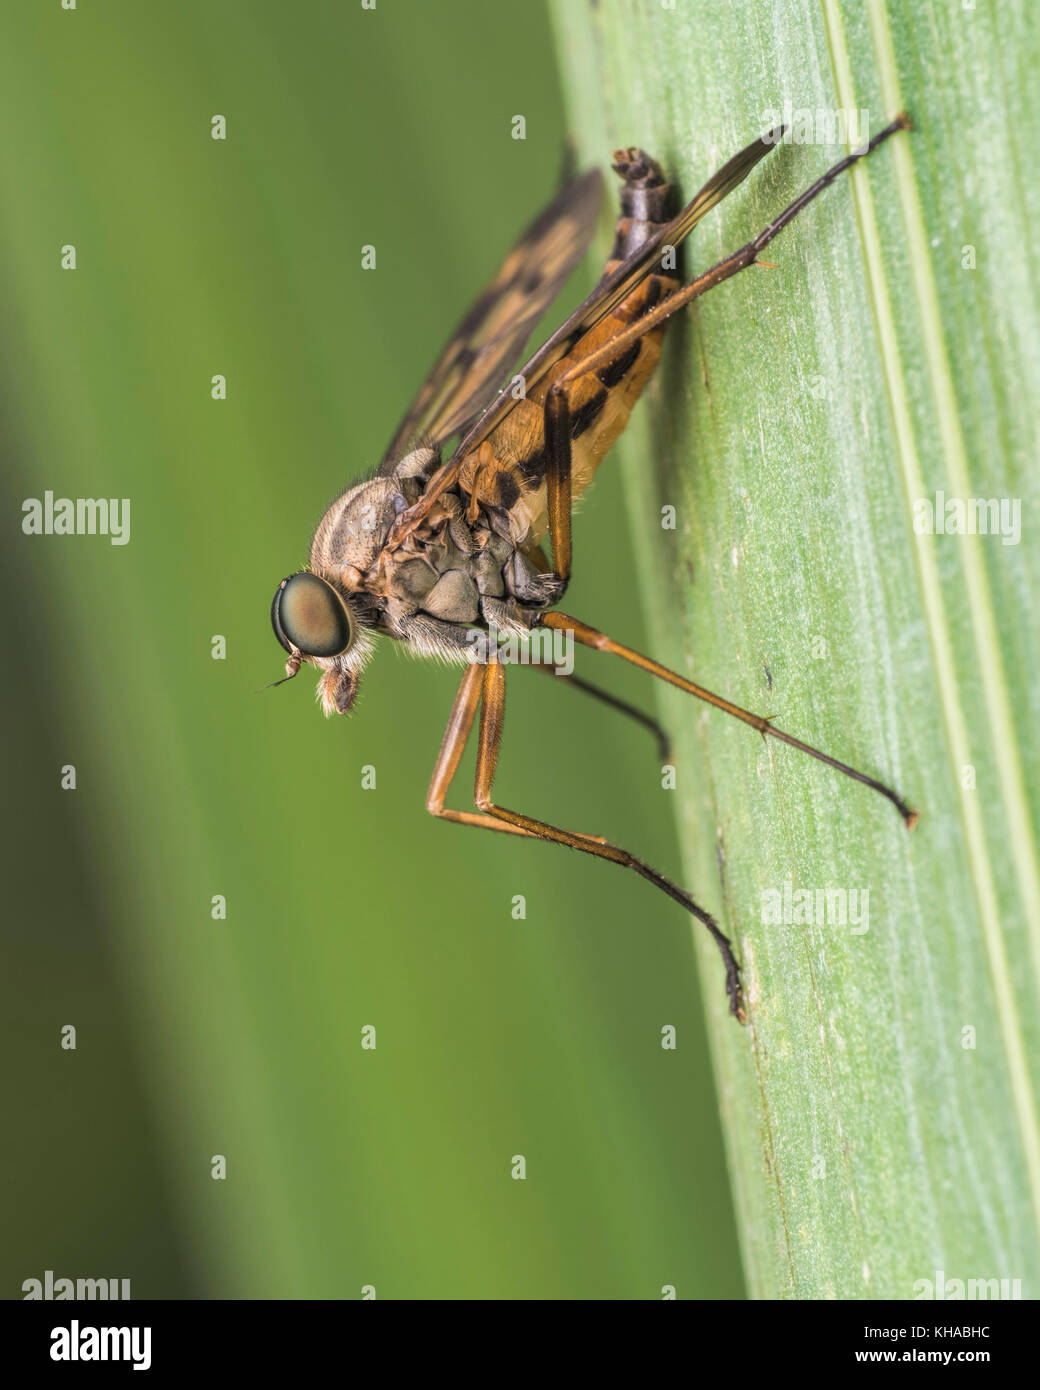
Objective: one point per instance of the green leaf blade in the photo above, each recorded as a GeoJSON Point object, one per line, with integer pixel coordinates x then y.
{"type": "Point", "coordinates": [881, 1108]}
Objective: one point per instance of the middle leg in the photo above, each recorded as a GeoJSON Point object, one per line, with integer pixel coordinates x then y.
{"type": "Point", "coordinates": [664, 743]}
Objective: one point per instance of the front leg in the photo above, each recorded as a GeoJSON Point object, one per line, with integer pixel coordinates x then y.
{"type": "Point", "coordinates": [456, 736]}
{"type": "Point", "coordinates": [492, 718]}
{"type": "Point", "coordinates": [485, 686]}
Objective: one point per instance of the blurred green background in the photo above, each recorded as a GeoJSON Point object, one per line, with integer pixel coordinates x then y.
{"type": "Point", "coordinates": [345, 907]}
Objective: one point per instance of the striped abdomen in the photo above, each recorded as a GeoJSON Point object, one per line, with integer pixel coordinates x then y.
{"type": "Point", "coordinates": [509, 468]}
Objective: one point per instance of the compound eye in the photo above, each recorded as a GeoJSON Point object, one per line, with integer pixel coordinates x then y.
{"type": "Point", "coordinates": [309, 615]}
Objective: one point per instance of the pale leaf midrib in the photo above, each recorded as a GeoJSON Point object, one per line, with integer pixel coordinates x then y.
{"type": "Point", "coordinates": [933, 605]}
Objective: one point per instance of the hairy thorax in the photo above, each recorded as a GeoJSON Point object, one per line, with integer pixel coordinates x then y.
{"type": "Point", "coordinates": [461, 566]}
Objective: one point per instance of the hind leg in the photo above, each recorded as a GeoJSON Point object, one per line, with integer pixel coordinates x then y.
{"type": "Point", "coordinates": [558, 423]}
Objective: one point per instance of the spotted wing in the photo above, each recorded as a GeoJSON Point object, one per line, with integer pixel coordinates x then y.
{"type": "Point", "coordinates": [489, 339]}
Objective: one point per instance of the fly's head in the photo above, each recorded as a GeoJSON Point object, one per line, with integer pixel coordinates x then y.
{"type": "Point", "coordinates": [324, 614]}
{"type": "Point", "coordinates": [316, 621]}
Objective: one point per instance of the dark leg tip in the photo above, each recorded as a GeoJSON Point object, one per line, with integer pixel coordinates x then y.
{"type": "Point", "coordinates": [733, 988]}
{"type": "Point", "coordinates": [736, 999]}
